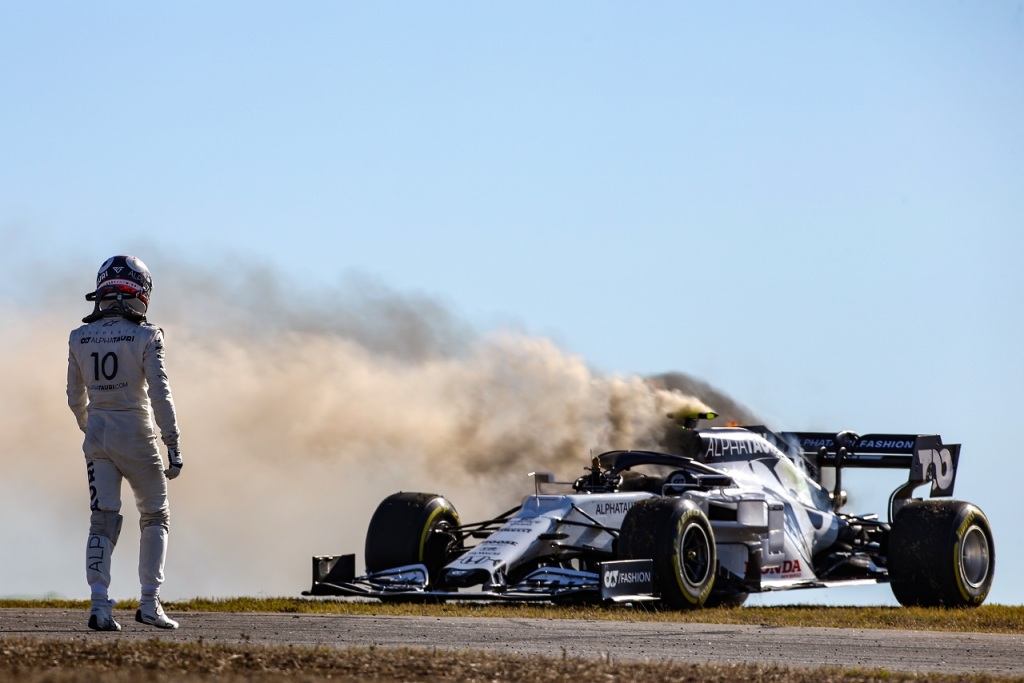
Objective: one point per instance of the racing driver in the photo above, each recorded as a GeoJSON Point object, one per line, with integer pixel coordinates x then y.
{"type": "Point", "coordinates": [117, 385]}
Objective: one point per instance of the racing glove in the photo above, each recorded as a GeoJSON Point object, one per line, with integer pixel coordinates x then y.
{"type": "Point", "coordinates": [174, 462]}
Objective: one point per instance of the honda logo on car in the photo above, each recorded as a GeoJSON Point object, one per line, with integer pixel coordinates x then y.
{"type": "Point", "coordinates": [787, 570]}
{"type": "Point", "coordinates": [788, 567]}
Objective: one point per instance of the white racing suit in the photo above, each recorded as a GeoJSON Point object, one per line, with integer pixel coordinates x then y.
{"type": "Point", "coordinates": [116, 386]}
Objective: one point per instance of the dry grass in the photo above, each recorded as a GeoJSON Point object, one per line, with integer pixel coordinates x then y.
{"type": "Point", "coordinates": [82, 659]}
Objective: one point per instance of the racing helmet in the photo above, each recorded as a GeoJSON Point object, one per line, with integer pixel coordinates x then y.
{"type": "Point", "coordinates": [123, 287]}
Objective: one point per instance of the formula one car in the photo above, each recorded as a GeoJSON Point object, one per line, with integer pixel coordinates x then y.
{"type": "Point", "coordinates": [741, 510]}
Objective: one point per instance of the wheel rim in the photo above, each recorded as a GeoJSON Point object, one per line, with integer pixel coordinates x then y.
{"type": "Point", "coordinates": [695, 554]}
{"type": "Point", "coordinates": [436, 543]}
{"type": "Point", "coordinates": [974, 557]}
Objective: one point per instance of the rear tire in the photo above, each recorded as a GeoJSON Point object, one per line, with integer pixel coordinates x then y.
{"type": "Point", "coordinates": [941, 553]}
{"type": "Point", "coordinates": [409, 528]}
{"type": "Point", "coordinates": [677, 535]}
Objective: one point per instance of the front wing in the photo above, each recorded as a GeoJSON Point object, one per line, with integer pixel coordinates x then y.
{"type": "Point", "coordinates": [616, 581]}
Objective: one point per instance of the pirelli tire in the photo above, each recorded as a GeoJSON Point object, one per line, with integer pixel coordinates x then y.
{"type": "Point", "coordinates": [677, 536]}
{"type": "Point", "coordinates": [412, 528]}
{"type": "Point", "coordinates": [941, 553]}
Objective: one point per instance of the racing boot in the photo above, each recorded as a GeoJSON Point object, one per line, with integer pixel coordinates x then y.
{"type": "Point", "coordinates": [152, 612]}
{"type": "Point", "coordinates": [101, 616]}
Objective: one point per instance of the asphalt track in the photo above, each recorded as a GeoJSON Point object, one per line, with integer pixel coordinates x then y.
{"type": "Point", "coordinates": [910, 651]}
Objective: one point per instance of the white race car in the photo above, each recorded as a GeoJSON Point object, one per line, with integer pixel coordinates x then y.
{"type": "Point", "coordinates": [742, 510]}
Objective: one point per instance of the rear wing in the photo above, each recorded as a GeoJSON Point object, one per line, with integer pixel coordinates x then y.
{"type": "Point", "coordinates": [924, 455]}
{"type": "Point", "coordinates": [927, 458]}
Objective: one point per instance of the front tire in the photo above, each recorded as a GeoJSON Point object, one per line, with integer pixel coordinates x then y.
{"type": "Point", "coordinates": [677, 535]}
{"type": "Point", "coordinates": [412, 528]}
{"type": "Point", "coordinates": [941, 553]}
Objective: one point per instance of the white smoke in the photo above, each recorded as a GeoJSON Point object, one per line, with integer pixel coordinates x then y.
{"type": "Point", "coordinates": [299, 412]}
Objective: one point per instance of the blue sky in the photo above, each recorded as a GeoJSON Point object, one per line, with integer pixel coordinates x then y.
{"type": "Point", "coordinates": [817, 208]}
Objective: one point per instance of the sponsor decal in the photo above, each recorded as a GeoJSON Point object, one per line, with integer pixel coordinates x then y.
{"type": "Point", "coordinates": [121, 283]}
{"type": "Point", "coordinates": [108, 340]}
{"type": "Point", "coordinates": [108, 387]}
{"type": "Point", "coordinates": [615, 578]}
{"type": "Point", "coordinates": [94, 497]}
{"type": "Point", "coordinates": [96, 554]}
{"type": "Point", "coordinates": [748, 445]}
{"type": "Point", "coordinates": [617, 508]}
{"type": "Point", "coordinates": [479, 558]}
{"type": "Point", "coordinates": [940, 461]}
{"type": "Point", "coordinates": [626, 578]}
{"type": "Point", "coordinates": [886, 445]}
{"type": "Point", "coordinates": [787, 570]}
{"type": "Point", "coordinates": [809, 444]}
{"type": "Point", "coordinates": [968, 520]}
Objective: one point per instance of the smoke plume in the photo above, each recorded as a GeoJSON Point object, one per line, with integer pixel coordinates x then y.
{"type": "Point", "coordinates": [299, 412]}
